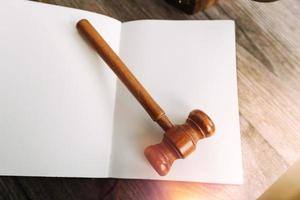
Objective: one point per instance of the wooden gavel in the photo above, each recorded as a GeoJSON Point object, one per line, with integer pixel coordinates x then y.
{"type": "Point", "coordinates": [179, 140]}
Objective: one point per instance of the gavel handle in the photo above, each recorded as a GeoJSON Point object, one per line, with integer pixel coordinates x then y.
{"type": "Point", "coordinates": [124, 74]}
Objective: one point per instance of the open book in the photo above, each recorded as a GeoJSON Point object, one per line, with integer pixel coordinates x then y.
{"type": "Point", "coordinates": [64, 113]}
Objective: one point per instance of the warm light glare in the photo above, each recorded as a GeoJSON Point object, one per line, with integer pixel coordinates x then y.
{"type": "Point", "coordinates": [193, 191]}
{"type": "Point", "coordinates": [181, 195]}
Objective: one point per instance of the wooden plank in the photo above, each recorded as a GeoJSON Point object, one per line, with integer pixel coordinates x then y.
{"type": "Point", "coordinates": [268, 57]}
{"type": "Point", "coordinates": [11, 189]}
{"type": "Point", "coordinates": [35, 188]}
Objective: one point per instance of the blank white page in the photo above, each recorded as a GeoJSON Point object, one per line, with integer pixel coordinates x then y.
{"type": "Point", "coordinates": [56, 95]}
{"type": "Point", "coordinates": [185, 65]}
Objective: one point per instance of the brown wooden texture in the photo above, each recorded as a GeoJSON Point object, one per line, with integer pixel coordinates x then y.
{"type": "Point", "coordinates": [268, 57]}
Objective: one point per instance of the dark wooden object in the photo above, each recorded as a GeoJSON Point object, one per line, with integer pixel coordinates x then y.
{"type": "Point", "coordinates": [179, 140]}
{"type": "Point", "coordinates": [192, 6]}
{"type": "Point", "coordinates": [268, 46]}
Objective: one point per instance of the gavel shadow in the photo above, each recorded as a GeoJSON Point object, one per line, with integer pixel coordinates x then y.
{"type": "Point", "coordinates": [97, 68]}
{"type": "Point", "coordinates": [152, 133]}
{"type": "Point", "coordinates": [134, 131]}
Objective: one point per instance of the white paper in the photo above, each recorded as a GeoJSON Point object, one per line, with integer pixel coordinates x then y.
{"type": "Point", "coordinates": [62, 112]}
{"type": "Point", "coordinates": [56, 95]}
{"type": "Point", "coordinates": [185, 65]}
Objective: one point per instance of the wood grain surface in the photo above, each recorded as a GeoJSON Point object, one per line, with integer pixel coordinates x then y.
{"type": "Point", "coordinates": [268, 57]}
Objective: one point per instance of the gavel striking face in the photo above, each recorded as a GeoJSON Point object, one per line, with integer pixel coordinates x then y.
{"type": "Point", "coordinates": [179, 140]}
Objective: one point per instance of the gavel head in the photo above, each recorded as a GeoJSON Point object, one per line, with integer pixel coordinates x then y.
{"type": "Point", "coordinates": [179, 141]}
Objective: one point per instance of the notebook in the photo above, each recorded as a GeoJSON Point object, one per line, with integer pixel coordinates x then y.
{"type": "Point", "coordinates": [63, 113]}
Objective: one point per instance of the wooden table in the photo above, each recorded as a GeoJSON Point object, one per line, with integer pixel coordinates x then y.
{"type": "Point", "coordinates": [268, 52]}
